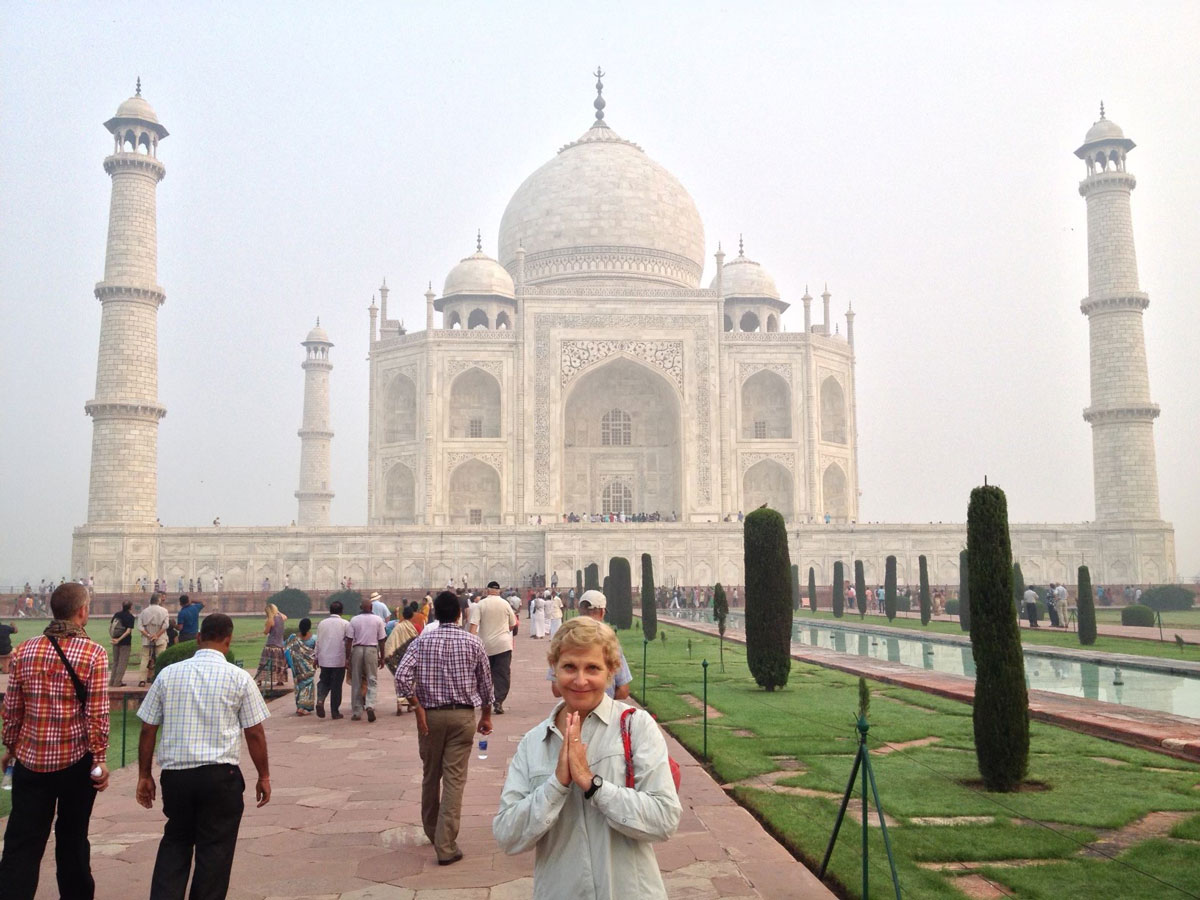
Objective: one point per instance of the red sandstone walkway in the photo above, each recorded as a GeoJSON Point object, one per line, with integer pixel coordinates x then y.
{"type": "Point", "coordinates": [344, 820]}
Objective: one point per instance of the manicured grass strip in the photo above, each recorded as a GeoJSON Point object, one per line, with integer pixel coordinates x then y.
{"type": "Point", "coordinates": [1154, 869]}
{"type": "Point", "coordinates": [1189, 829]}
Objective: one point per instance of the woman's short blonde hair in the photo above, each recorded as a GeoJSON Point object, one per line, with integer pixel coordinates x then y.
{"type": "Point", "coordinates": [583, 632]}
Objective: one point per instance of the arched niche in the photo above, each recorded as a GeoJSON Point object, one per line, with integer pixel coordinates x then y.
{"type": "Point", "coordinates": [749, 321]}
{"type": "Point", "coordinates": [728, 323]}
{"type": "Point", "coordinates": [616, 498]}
{"type": "Point", "coordinates": [766, 407]}
{"type": "Point", "coordinates": [833, 412]}
{"type": "Point", "coordinates": [643, 414]}
{"type": "Point", "coordinates": [503, 322]}
{"type": "Point", "coordinates": [400, 409]}
{"type": "Point", "coordinates": [771, 483]}
{"type": "Point", "coordinates": [833, 490]}
{"type": "Point", "coordinates": [400, 495]}
{"type": "Point", "coordinates": [772, 322]}
{"type": "Point", "coordinates": [453, 321]}
{"type": "Point", "coordinates": [474, 494]}
{"type": "Point", "coordinates": [474, 405]}
{"type": "Point", "coordinates": [477, 320]}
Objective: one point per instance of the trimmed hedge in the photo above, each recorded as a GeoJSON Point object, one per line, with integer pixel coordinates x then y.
{"type": "Point", "coordinates": [860, 587]}
{"type": "Point", "coordinates": [795, 588]}
{"type": "Point", "coordinates": [620, 601]}
{"type": "Point", "coordinates": [1087, 608]}
{"type": "Point", "coordinates": [649, 608]}
{"type": "Point", "coordinates": [768, 600]}
{"type": "Point", "coordinates": [178, 652]}
{"type": "Point", "coordinates": [591, 577]}
{"type": "Point", "coordinates": [926, 600]}
{"type": "Point", "coordinates": [351, 601]}
{"type": "Point", "coordinates": [812, 589]}
{"type": "Point", "coordinates": [964, 592]}
{"type": "Point", "coordinates": [296, 604]}
{"type": "Point", "coordinates": [720, 612]}
{"type": "Point", "coordinates": [1141, 616]}
{"type": "Point", "coordinates": [839, 590]}
{"type": "Point", "coordinates": [889, 587]}
{"type": "Point", "coordinates": [952, 606]}
{"type": "Point", "coordinates": [1168, 598]}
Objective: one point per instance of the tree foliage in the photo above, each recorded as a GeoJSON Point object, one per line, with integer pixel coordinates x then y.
{"type": "Point", "coordinates": [768, 598]}
{"type": "Point", "coordinates": [1168, 598]}
{"type": "Point", "coordinates": [578, 584]}
{"type": "Point", "coordinates": [295, 604]}
{"type": "Point", "coordinates": [1086, 605]}
{"type": "Point", "coordinates": [180, 651]}
{"type": "Point", "coordinates": [795, 588]}
{"type": "Point", "coordinates": [964, 592]}
{"type": "Point", "coordinates": [839, 590]}
{"type": "Point", "coordinates": [1018, 588]}
{"type": "Point", "coordinates": [889, 587]}
{"type": "Point", "coordinates": [649, 608]}
{"type": "Point", "coordinates": [926, 600]}
{"type": "Point", "coordinates": [1001, 705]}
{"type": "Point", "coordinates": [860, 587]}
{"type": "Point", "coordinates": [591, 577]}
{"type": "Point", "coordinates": [619, 593]}
{"type": "Point", "coordinates": [720, 613]}
{"type": "Point", "coordinates": [812, 589]}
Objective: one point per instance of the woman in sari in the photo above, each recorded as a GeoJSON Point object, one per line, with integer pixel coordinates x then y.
{"type": "Point", "coordinates": [272, 655]}
{"type": "Point", "coordinates": [300, 650]}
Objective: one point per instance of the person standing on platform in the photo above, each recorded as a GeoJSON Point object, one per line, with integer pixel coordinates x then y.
{"type": "Point", "coordinates": [56, 739]}
{"type": "Point", "coordinates": [152, 623]}
{"type": "Point", "coordinates": [331, 659]}
{"type": "Point", "coordinates": [446, 671]}
{"type": "Point", "coordinates": [365, 637]}
{"type": "Point", "coordinates": [122, 642]}
{"type": "Point", "coordinates": [203, 705]}
{"type": "Point", "coordinates": [493, 619]}
{"type": "Point", "coordinates": [187, 620]}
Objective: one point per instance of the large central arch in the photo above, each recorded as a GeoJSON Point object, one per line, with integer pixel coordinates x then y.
{"type": "Point", "coordinates": [622, 424]}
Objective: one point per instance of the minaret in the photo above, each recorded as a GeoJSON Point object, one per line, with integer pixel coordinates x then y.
{"type": "Point", "coordinates": [125, 409]}
{"type": "Point", "coordinates": [315, 434]}
{"type": "Point", "coordinates": [1121, 415]}
{"type": "Point", "coordinates": [807, 298]}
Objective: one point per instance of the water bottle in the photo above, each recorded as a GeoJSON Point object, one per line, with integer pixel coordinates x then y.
{"type": "Point", "coordinates": [6, 784]}
{"type": "Point", "coordinates": [483, 748]}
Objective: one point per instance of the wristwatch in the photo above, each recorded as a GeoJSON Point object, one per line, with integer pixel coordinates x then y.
{"type": "Point", "coordinates": [596, 782]}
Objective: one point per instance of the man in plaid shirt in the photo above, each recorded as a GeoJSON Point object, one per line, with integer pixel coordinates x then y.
{"type": "Point", "coordinates": [56, 740]}
{"type": "Point", "coordinates": [447, 670]}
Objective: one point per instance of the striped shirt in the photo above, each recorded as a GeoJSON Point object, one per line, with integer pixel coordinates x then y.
{"type": "Point", "coordinates": [202, 704]}
{"type": "Point", "coordinates": [448, 666]}
{"type": "Point", "coordinates": [44, 724]}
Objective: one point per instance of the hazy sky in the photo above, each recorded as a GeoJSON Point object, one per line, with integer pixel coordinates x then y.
{"type": "Point", "coordinates": [917, 157]}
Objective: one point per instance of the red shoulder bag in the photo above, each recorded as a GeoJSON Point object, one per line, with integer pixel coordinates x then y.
{"type": "Point", "coordinates": [627, 740]}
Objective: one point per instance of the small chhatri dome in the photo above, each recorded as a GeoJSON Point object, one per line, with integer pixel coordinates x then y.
{"type": "Point", "coordinates": [1104, 131]}
{"type": "Point", "coordinates": [479, 275]}
{"type": "Point", "coordinates": [135, 111]}
{"type": "Point", "coordinates": [318, 335]}
{"type": "Point", "coordinates": [743, 277]}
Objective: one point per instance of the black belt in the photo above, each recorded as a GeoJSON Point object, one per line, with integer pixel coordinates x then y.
{"type": "Point", "coordinates": [451, 706]}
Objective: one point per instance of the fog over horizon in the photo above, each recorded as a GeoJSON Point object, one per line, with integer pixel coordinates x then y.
{"type": "Point", "coordinates": [918, 158]}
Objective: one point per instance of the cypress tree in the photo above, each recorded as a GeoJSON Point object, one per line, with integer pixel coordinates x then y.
{"type": "Point", "coordinates": [649, 609]}
{"type": "Point", "coordinates": [812, 589]}
{"type": "Point", "coordinates": [839, 590]}
{"type": "Point", "coordinates": [608, 595]}
{"type": "Point", "coordinates": [926, 600]}
{"type": "Point", "coordinates": [860, 587]}
{"type": "Point", "coordinates": [720, 612]}
{"type": "Point", "coordinates": [1018, 589]}
{"type": "Point", "coordinates": [964, 593]}
{"type": "Point", "coordinates": [889, 587]}
{"type": "Point", "coordinates": [795, 588]}
{"type": "Point", "coordinates": [1001, 705]}
{"type": "Point", "coordinates": [1087, 608]}
{"type": "Point", "coordinates": [768, 606]}
{"type": "Point", "coordinates": [591, 577]}
{"type": "Point", "coordinates": [620, 601]}
{"type": "Point", "coordinates": [578, 584]}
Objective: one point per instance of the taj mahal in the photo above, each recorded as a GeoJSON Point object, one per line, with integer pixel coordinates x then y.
{"type": "Point", "coordinates": [582, 395]}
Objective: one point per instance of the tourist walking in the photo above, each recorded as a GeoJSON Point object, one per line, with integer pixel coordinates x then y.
{"type": "Point", "coordinates": [554, 614]}
{"type": "Point", "coordinates": [331, 658]}
{"type": "Point", "coordinates": [122, 642]}
{"type": "Point", "coordinates": [272, 658]}
{"type": "Point", "coordinates": [539, 627]}
{"type": "Point", "coordinates": [204, 705]}
{"type": "Point", "coordinates": [300, 652]}
{"type": "Point", "coordinates": [446, 671]}
{"type": "Point", "coordinates": [592, 820]}
{"type": "Point", "coordinates": [364, 647]}
{"type": "Point", "coordinates": [56, 739]}
{"type": "Point", "coordinates": [152, 623]}
{"type": "Point", "coordinates": [494, 621]}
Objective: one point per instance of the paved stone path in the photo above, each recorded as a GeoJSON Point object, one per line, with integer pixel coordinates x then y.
{"type": "Point", "coordinates": [344, 819]}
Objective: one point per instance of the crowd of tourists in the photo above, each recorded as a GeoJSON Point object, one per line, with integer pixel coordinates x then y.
{"type": "Point", "coordinates": [592, 781]}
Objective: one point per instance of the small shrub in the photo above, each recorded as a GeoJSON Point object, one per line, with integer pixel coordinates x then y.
{"type": "Point", "coordinates": [1168, 598]}
{"type": "Point", "coordinates": [952, 606]}
{"type": "Point", "coordinates": [178, 652]}
{"type": "Point", "coordinates": [295, 604]}
{"type": "Point", "coordinates": [1141, 616]}
{"type": "Point", "coordinates": [351, 601]}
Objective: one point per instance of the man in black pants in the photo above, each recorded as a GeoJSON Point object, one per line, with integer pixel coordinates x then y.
{"type": "Point", "coordinates": [331, 657]}
{"type": "Point", "coordinates": [201, 704]}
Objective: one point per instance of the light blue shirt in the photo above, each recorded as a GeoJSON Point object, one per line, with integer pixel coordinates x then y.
{"type": "Point", "coordinates": [203, 704]}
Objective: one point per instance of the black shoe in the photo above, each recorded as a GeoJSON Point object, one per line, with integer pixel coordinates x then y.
{"type": "Point", "coordinates": [498, 709]}
{"type": "Point", "coordinates": [450, 860]}
{"type": "Point", "coordinates": [370, 714]}
{"type": "Point", "coordinates": [336, 715]}
{"type": "Point", "coordinates": [320, 710]}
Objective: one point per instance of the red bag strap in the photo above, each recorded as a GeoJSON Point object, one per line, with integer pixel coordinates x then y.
{"type": "Point", "coordinates": [627, 740]}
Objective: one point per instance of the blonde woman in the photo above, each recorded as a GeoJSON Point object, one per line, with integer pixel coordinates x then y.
{"type": "Point", "coordinates": [272, 654]}
{"type": "Point", "coordinates": [565, 795]}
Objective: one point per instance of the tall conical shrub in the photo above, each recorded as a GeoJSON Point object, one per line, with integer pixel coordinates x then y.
{"type": "Point", "coordinates": [926, 600]}
{"type": "Point", "coordinates": [839, 590]}
{"type": "Point", "coordinates": [1001, 705]}
{"type": "Point", "coordinates": [720, 612]}
{"type": "Point", "coordinates": [608, 594]}
{"type": "Point", "coordinates": [591, 577]}
{"type": "Point", "coordinates": [649, 608]}
{"type": "Point", "coordinates": [889, 587]}
{"type": "Point", "coordinates": [578, 584]}
{"type": "Point", "coordinates": [795, 588]}
{"type": "Point", "coordinates": [620, 600]}
{"type": "Point", "coordinates": [860, 587]}
{"type": "Point", "coordinates": [1018, 589]}
{"type": "Point", "coordinates": [964, 593]}
{"type": "Point", "coordinates": [1087, 608]}
{"type": "Point", "coordinates": [768, 606]}
{"type": "Point", "coordinates": [812, 589]}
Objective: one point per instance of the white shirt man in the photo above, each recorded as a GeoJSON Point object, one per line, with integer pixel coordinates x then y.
{"type": "Point", "coordinates": [493, 619]}
{"type": "Point", "coordinates": [331, 658]}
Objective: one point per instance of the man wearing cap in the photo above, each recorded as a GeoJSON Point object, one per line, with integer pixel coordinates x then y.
{"type": "Point", "coordinates": [593, 603]}
{"type": "Point", "coordinates": [379, 608]}
{"type": "Point", "coordinates": [494, 621]}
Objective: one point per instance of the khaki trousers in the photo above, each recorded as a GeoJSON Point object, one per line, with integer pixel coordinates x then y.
{"type": "Point", "coordinates": [158, 646]}
{"type": "Point", "coordinates": [120, 661]}
{"type": "Point", "coordinates": [445, 752]}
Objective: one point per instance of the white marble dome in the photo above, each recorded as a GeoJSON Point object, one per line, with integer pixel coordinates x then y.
{"type": "Point", "coordinates": [743, 277]}
{"type": "Point", "coordinates": [136, 107]}
{"type": "Point", "coordinates": [478, 275]}
{"type": "Point", "coordinates": [1104, 130]}
{"type": "Point", "coordinates": [318, 335]}
{"type": "Point", "coordinates": [602, 210]}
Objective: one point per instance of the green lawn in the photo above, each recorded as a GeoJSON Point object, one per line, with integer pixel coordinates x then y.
{"type": "Point", "coordinates": [1093, 785]}
{"type": "Point", "coordinates": [1184, 618]}
{"type": "Point", "coordinates": [1053, 637]}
